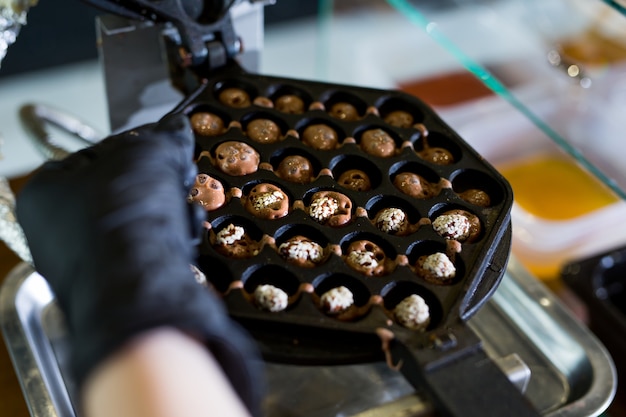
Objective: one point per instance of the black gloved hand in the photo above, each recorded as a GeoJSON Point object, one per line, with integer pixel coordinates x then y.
{"type": "Point", "coordinates": [110, 230]}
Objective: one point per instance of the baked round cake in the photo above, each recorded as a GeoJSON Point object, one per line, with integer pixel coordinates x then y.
{"type": "Point", "coordinates": [234, 242]}
{"type": "Point", "coordinates": [377, 142]}
{"type": "Point", "coordinates": [270, 298]}
{"type": "Point", "coordinates": [476, 197]}
{"type": "Point", "coordinates": [321, 137]}
{"type": "Point", "coordinates": [208, 192]}
{"type": "Point", "coordinates": [234, 97]}
{"type": "Point", "coordinates": [344, 111]}
{"type": "Point", "coordinates": [267, 201]}
{"type": "Point", "coordinates": [263, 131]}
{"type": "Point", "coordinates": [459, 225]}
{"type": "Point", "coordinates": [236, 158]}
{"type": "Point", "coordinates": [436, 155]}
{"type": "Point", "coordinates": [436, 268]}
{"type": "Point", "coordinates": [207, 124]}
{"type": "Point", "coordinates": [330, 208]}
{"type": "Point", "coordinates": [392, 220]}
{"type": "Point", "coordinates": [399, 118]}
{"type": "Point", "coordinates": [412, 313]}
{"type": "Point", "coordinates": [415, 185]}
{"type": "Point", "coordinates": [355, 179]}
{"type": "Point", "coordinates": [337, 300]}
{"type": "Point", "coordinates": [289, 103]}
{"type": "Point", "coordinates": [301, 251]}
{"type": "Point", "coordinates": [295, 168]}
{"type": "Point", "coordinates": [367, 258]}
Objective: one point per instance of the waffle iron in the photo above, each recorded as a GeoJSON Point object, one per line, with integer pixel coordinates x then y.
{"type": "Point", "coordinates": [446, 361]}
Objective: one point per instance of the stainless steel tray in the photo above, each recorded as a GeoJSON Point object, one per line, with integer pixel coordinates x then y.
{"type": "Point", "coordinates": [571, 373]}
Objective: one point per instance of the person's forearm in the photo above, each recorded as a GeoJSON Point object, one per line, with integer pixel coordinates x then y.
{"type": "Point", "coordinates": [161, 373]}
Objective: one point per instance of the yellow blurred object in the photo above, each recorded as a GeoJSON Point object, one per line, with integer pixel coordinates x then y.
{"type": "Point", "coordinates": [594, 48]}
{"type": "Point", "coordinates": [555, 188]}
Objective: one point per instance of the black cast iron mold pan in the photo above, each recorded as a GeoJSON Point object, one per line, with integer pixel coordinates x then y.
{"type": "Point", "coordinates": [446, 361]}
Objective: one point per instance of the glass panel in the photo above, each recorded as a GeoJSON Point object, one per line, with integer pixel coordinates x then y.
{"type": "Point", "coordinates": [538, 87]}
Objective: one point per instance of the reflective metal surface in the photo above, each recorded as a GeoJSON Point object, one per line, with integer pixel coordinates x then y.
{"type": "Point", "coordinates": [571, 372]}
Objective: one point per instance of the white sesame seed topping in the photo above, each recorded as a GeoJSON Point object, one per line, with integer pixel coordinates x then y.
{"type": "Point", "coordinates": [439, 265]}
{"type": "Point", "coordinates": [267, 199]}
{"type": "Point", "coordinates": [413, 312]}
{"type": "Point", "coordinates": [230, 234]}
{"type": "Point", "coordinates": [390, 220]}
{"type": "Point", "coordinates": [337, 300]}
{"type": "Point", "coordinates": [271, 298]}
{"type": "Point", "coordinates": [452, 226]}
{"type": "Point", "coordinates": [301, 250]}
{"type": "Point", "coordinates": [365, 259]}
{"type": "Point", "coordinates": [323, 208]}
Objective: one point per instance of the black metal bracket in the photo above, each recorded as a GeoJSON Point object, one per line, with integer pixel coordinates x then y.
{"type": "Point", "coordinates": [206, 35]}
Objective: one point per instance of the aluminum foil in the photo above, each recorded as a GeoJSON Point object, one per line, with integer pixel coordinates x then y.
{"type": "Point", "coordinates": [12, 18]}
{"type": "Point", "coordinates": [10, 230]}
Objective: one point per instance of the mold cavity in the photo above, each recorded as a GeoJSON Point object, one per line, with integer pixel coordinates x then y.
{"type": "Point", "coordinates": [217, 272]}
{"type": "Point", "coordinates": [302, 245]}
{"type": "Point", "coordinates": [369, 255]}
{"type": "Point", "coordinates": [272, 288]}
{"type": "Point", "coordinates": [328, 207]}
{"type": "Point", "coordinates": [207, 121]}
{"type": "Point", "coordinates": [341, 295]}
{"type": "Point", "coordinates": [235, 237]}
{"type": "Point", "coordinates": [289, 231]}
{"type": "Point", "coordinates": [478, 188]}
{"type": "Point", "coordinates": [378, 141]}
{"type": "Point", "coordinates": [438, 149]}
{"type": "Point", "coordinates": [381, 202]}
{"type": "Point", "coordinates": [456, 223]}
{"type": "Point", "coordinates": [345, 106]}
{"type": "Point", "coordinates": [263, 128]}
{"type": "Point", "coordinates": [295, 165]}
{"type": "Point", "coordinates": [290, 100]}
{"type": "Point", "coordinates": [265, 200]}
{"type": "Point", "coordinates": [236, 158]}
{"type": "Point", "coordinates": [235, 94]}
{"type": "Point", "coordinates": [355, 173]}
{"type": "Point", "coordinates": [415, 180]}
{"type": "Point", "coordinates": [393, 215]}
{"type": "Point", "coordinates": [396, 292]}
{"type": "Point", "coordinates": [399, 112]}
{"type": "Point", "coordinates": [320, 134]}
{"type": "Point", "coordinates": [431, 261]}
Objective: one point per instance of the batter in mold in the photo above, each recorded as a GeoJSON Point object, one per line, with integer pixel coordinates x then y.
{"type": "Point", "coordinates": [236, 158]}
{"type": "Point", "coordinates": [290, 104]}
{"type": "Point", "coordinates": [331, 208]}
{"type": "Point", "coordinates": [208, 192]}
{"type": "Point", "coordinates": [321, 137]}
{"type": "Point", "coordinates": [355, 179]}
{"type": "Point", "coordinates": [267, 201]}
{"type": "Point", "coordinates": [207, 124]}
{"type": "Point", "coordinates": [263, 131]}
{"type": "Point", "coordinates": [234, 97]}
{"type": "Point", "coordinates": [234, 242]}
{"type": "Point", "coordinates": [416, 186]}
{"type": "Point", "coordinates": [295, 168]}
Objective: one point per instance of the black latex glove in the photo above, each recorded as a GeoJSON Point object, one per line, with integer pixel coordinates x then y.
{"type": "Point", "coordinates": [110, 230]}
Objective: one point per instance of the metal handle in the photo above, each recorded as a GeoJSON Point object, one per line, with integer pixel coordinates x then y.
{"type": "Point", "coordinates": [34, 119]}
{"type": "Point", "coordinates": [459, 378]}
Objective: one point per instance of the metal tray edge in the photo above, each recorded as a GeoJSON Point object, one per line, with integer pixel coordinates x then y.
{"type": "Point", "coordinates": [44, 400]}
